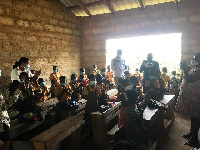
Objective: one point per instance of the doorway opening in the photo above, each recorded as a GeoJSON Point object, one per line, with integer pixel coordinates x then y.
{"type": "Point", "coordinates": [166, 50]}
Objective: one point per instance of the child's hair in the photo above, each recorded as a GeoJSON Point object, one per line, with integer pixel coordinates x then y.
{"type": "Point", "coordinates": [174, 72]}
{"type": "Point", "coordinates": [132, 95]}
{"type": "Point", "coordinates": [164, 69]}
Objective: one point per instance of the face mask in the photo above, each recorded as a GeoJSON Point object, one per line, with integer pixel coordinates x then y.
{"type": "Point", "coordinates": [83, 79]}
{"type": "Point", "coordinates": [74, 81]}
{"type": "Point", "coordinates": [92, 82]}
{"type": "Point", "coordinates": [103, 73]}
{"type": "Point", "coordinates": [27, 67]}
{"type": "Point", "coordinates": [43, 84]}
{"type": "Point", "coordinates": [63, 84]}
{"type": "Point", "coordinates": [82, 73]}
{"type": "Point", "coordinates": [0, 73]}
{"type": "Point", "coordinates": [151, 77]}
{"type": "Point", "coordinates": [55, 71]}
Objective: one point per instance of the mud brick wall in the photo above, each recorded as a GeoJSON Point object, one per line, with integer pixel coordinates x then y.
{"type": "Point", "coordinates": [158, 19]}
{"type": "Point", "coordinates": [45, 31]}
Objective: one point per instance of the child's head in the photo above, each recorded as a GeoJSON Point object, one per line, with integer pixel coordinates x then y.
{"type": "Point", "coordinates": [82, 71]}
{"type": "Point", "coordinates": [94, 67]}
{"type": "Point", "coordinates": [63, 81]}
{"type": "Point", "coordinates": [174, 73]}
{"type": "Point", "coordinates": [55, 69]}
{"type": "Point", "coordinates": [164, 70]}
{"type": "Point", "coordinates": [132, 95]}
{"type": "Point", "coordinates": [41, 82]}
{"type": "Point", "coordinates": [92, 79]}
{"type": "Point", "coordinates": [73, 78]}
{"type": "Point", "coordinates": [126, 74]}
{"type": "Point", "coordinates": [99, 78]}
{"type": "Point", "coordinates": [82, 77]}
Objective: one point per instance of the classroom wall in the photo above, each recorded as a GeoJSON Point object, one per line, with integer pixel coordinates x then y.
{"type": "Point", "coordinates": [45, 31]}
{"type": "Point", "coordinates": [157, 19]}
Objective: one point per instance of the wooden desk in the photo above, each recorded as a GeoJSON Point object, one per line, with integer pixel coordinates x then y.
{"type": "Point", "coordinates": [100, 122]}
{"type": "Point", "coordinates": [49, 138]}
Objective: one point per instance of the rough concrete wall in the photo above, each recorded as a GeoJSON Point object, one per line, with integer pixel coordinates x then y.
{"type": "Point", "coordinates": [42, 30]}
{"type": "Point", "coordinates": [158, 19]}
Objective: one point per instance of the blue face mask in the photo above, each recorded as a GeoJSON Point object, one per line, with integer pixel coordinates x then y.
{"type": "Point", "coordinates": [27, 67]}
{"type": "Point", "coordinates": [73, 81]}
{"type": "Point", "coordinates": [0, 73]}
{"type": "Point", "coordinates": [83, 79]}
{"type": "Point", "coordinates": [63, 84]}
{"type": "Point", "coordinates": [103, 73]}
{"type": "Point", "coordinates": [82, 73]}
{"type": "Point", "coordinates": [92, 82]}
{"type": "Point", "coordinates": [55, 71]}
{"type": "Point", "coordinates": [43, 84]}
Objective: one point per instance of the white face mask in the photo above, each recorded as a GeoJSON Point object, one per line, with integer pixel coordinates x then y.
{"type": "Point", "coordinates": [92, 82]}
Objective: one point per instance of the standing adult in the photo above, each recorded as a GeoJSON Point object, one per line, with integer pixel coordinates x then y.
{"type": "Point", "coordinates": [189, 98]}
{"type": "Point", "coordinates": [146, 67]}
{"type": "Point", "coordinates": [23, 65]}
{"type": "Point", "coordinates": [118, 66]}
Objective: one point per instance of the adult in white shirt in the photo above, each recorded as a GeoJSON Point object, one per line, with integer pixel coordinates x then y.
{"type": "Point", "coordinates": [118, 66]}
{"type": "Point", "coordinates": [23, 66]}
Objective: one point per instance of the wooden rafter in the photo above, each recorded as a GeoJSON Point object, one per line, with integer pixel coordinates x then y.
{"type": "Point", "coordinates": [176, 1]}
{"type": "Point", "coordinates": [109, 5]}
{"type": "Point", "coordinates": [80, 4]}
{"type": "Point", "coordinates": [87, 5]}
{"type": "Point", "coordinates": [141, 4]}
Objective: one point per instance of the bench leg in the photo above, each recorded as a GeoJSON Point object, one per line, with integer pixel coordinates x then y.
{"type": "Point", "coordinates": [76, 140]}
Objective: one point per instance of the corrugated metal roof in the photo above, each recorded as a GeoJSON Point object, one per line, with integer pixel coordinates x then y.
{"type": "Point", "coordinates": [95, 7]}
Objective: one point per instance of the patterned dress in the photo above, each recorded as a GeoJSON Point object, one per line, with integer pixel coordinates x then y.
{"type": "Point", "coordinates": [189, 99]}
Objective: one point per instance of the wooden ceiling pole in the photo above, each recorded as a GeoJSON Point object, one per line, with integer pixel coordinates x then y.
{"type": "Point", "coordinates": [83, 7]}
{"type": "Point", "coordinates": [109, 5]}
{"type": "Point", "coordinates": [141, 4]}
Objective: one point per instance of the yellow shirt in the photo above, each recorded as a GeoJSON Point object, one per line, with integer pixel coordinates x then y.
{"type": "Point", "coordinates": [166, 79]}
{"type": "Point", "coordinates": [66, 96]}
{"type": "Point", "coordinates": [86, 92]}
{"type": "Point", "coordinates": [55, 77]}
{"type": "Point", "coordinates": [110, 75]}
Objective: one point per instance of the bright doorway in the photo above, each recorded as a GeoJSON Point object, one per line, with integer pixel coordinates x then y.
{"type": "Point", "coordinates": [166, 49]}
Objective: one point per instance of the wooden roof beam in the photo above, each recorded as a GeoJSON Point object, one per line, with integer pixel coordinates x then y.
{"type": "Point", "coordinates": [141, 4]}
{"type": "Point", "coordinates": [109, 5]}
{"type": "Point", "coordinates": [176, 1]}
{"type": "Point", "coordinates": [80, 4]}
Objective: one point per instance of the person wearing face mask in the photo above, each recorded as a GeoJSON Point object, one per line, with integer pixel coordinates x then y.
{"type": "Point", "coordinates": [42, 91]}
{"type": "Point", "coordinates": [85, 78]}
{"type": "Point", "coordinates": [189, 99]}
{"type": "Point", "coordinates": [118, 66]}
{"type": "Point", "coordinates": [63, 91]}
{"type": "Point", "coordinates": [146, 67]}
{"type": "Point", "coordinates": [75, 86]}
{"type": "Point", "coordinates": [92, 93]}
{"type": "Point", "coordinates": [152, 85]}
{"type": "Point", "coordinates": [55, 80]}
{"type": "Point", "coordinates": [23, 65]}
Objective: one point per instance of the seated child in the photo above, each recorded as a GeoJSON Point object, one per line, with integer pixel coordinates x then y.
{"type": "Point", "coordinates": [138, 76]}
{"type": "Point", "coordinates": [55, 80]}
{"type": "Point", "coordinates": [83, 76]}
{"type": "Point", "coordinates": [75, 87]}
{"type": "Point", "coordinates": [63, 91]}
{"type": "Point", "coordinates": [165, 77]}
{"type": "Point", "coordinates": [174, 85]}
{"type": "Point", "coordinates": [95, 70]}
{"type": "Point", "coordinates": [42, 92]}
{"type": "Point", "coordinates": [152, 85]}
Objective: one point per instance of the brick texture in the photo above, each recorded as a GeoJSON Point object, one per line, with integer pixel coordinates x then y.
{"type": "Point", "coordinates": [44, 31]}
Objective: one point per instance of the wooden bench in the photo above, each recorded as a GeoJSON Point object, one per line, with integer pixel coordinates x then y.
{"type": "Point", "coordinates": [100, 122]}
{"type": "Point", "coordinates": [155, 122]}
{"type": "Point", "coordinates": [49, 138]}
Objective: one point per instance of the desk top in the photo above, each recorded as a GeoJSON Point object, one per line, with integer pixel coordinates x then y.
{"type": "Point", "coordinates": [149, 113]}
{"type": "Point", "coordinates": [167, 98]}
